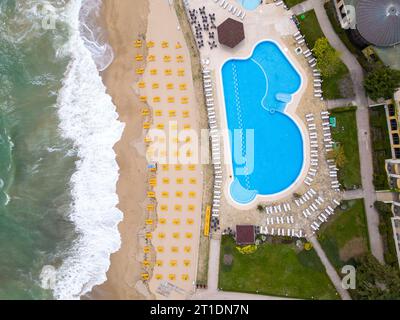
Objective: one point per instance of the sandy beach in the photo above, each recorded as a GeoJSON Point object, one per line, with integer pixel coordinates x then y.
{"type": "Point", "coordinates": [126, 21]}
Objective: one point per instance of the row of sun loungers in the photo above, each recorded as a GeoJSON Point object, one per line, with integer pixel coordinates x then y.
{"type": "Point", "coordinates": [328, 142]}
{"type": "Point", "coordinates": [317, 84]}
{"type": "Point", "coordinates": [282, 232]}
{"type": "Point", "coordinates": [285, 207]}
{"type": "Point", "coordinates": [324, 216]}
{"type": "Point", "coordinates": [312, 129]}
{"type": "Point", "coordinates": [280, 220]}
{"type": "Point", "coordinates": [333, 174]}
{"type": "Point", "coordinates": [279, 3]}
{"type": "Point", "coordinates": [313, 207]}
{"type": "Point", "coordinates": [215, 150]}
{"type": "Point", "coordinates": [305, 197]}
{"type": "Point", "coordinates": [326, 128]}
{"type": "Point", "coordinates": [231, 8]}
{"type": "Point", "coordinates": [312, 61]}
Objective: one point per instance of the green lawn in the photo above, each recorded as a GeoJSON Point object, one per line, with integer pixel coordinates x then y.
{"type": "Point", "coordinates": [380, 146]}
{"type": "Point", "coordinates": [275, 269]}
{"type": "Point", "coordinates": [334, 87]}
{"type": "Point", "coordinates": [292, 3]}
{"type": "Point", "coordinates": [309, 26]}
{"type": "Point", "coordinates": [345, 236]}
{"type": "Point", "coordinates": [346, 134]}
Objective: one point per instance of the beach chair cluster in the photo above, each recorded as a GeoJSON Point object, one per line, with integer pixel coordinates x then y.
{"type": "Point", "coordinates": [279, 3]}
{"type": "Point", "coordinates": [314, 153]}
{"type": "Point", "coordinates": [203, 24]}
{"type": "Point", "coordinates": [306, 197]}
{"type": "Point", "coordinates": [329, 143]}
{"type": "Point", "coordinates": [313, 207]}
{"type": "Point", "coordinates": [174, 194]}
{"type": "Point", "coordinates": [284, 207]}
{"type": "Point", "coordinates": [280, 220]}
{"type": "Point", "coordinates": [333, 170]}
{"type": "Point", "coordinates": [323, 216]}
{"type": "Point", "coordinates": [294, 233]}
{"type": "Point", "coordinates": [312, 62]}
{"type": "Point", "coordinates": [241, 14]}
{"type": "Point", "coordinates": [318, 93]}
{"type": "Point", "coordinates": [326, 128]}
{"type": "Point", "coordinates": [215, 148]}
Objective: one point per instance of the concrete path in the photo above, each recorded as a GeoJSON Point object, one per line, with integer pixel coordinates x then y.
{"type": "Point", "coordinates": [353, 194]}
{"type": "Point", "coordinates": [213, 264]}
{"type": "Point", "coordinates": [331, 104]}
{"type": "Point", "coordinates": [223, 295]}
{"type": "Point", "coordinates": [364, 141]}
{"type": "Point", "coordinates": [330, 270]}
{"type": "Point", "coordinates": [302, 7]}
{"type": "Point", "coordinates": [385, 196]}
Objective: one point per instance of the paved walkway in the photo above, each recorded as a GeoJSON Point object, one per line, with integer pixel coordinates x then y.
{"type": "Point", "coordinates": [331, 104]}
{"type": "Point", "coordinates": [364, 141]}
{"type": "Point", "coordinates": [330, 270]}
{"type": "Point", "coordinates": [385, 196]}
{"type": "Point", "coordinates": [353, 194]}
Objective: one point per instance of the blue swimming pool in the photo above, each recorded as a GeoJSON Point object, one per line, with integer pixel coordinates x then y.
{"type": "Point", "coordinates": [266, 144]}
{"type": "Point", "coordinates": [249, 4]}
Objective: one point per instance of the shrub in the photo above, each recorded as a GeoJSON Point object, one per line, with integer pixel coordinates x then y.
{"type": "Point", "coordinates": [382, 83]}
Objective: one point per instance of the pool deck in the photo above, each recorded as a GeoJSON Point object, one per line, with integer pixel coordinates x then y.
{"type": "Point", "coordinates": [264, 23]}
{"type": "Point", "coordinates": [268, 22]}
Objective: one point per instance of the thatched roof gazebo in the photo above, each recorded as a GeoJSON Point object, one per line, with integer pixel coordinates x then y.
{"type": "Point", "coordinates": [231, 32]}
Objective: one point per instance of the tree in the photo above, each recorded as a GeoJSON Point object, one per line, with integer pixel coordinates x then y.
{"type": "Point", "coordinates": [382, 83]}
{"type": "Point", "coordinates": [328, 59]}
{"type": "Point", "coordinates": [376, 281]}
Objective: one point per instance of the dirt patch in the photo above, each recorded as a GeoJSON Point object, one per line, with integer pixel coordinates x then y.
{"type": "Point", "coordinates": [354, 248]}
{"type": "Point", "coordinates": [346, 87]}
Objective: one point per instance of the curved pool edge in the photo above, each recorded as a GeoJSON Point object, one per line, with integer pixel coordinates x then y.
{"type": "Point", "coordinates": [291, 114]}
{"type": "Point", "coordinates": [253, 4]}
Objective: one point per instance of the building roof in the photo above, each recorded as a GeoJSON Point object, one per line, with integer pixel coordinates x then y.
{"type": "Point", "coordinates": [379, 21]}
{"type": "Point", "coordinates": [245, 234]}
{"type": "Point", "coordinates": [231, 32]}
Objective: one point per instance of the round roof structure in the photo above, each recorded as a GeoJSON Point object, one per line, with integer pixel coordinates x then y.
{"type": "Point", "coordinates": [379, 21]}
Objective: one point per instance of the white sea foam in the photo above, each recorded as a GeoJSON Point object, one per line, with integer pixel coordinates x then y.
{"type": "Point", "coordinates": [89, 119]}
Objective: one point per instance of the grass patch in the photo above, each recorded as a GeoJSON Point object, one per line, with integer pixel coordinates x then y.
{"type": "Point", "coordinates": [275, 269]}
{"type": "Point", "coordinates": [386, 231]}
{"type": "Point", "coordinates": [380, 146]}
{"type": "Point", "coordinates": [345, 237]}
{"type": "Point", "coordinates": [346, 134]}
{"type": "Point", "coordinates": [292, 3]}
{"type": "Point", "coordinates": [309, 27]}
{"type": "Point", "coordinates": [339, 85]}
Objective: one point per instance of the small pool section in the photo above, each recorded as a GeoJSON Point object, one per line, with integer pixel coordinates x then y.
{"type": "Point", "coordinates": [249, 4]}
{"type": "Point", "coordinates": [266, 143]}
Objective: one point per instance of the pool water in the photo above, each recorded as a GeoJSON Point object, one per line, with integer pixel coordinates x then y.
{"type": "Point", "coordinates": [249, 4]}
{"type": "Point", "coordinates": [266, 144]}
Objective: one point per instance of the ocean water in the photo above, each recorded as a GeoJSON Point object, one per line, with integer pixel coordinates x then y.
{"type": "Point", "coordinates": [58, 174]}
